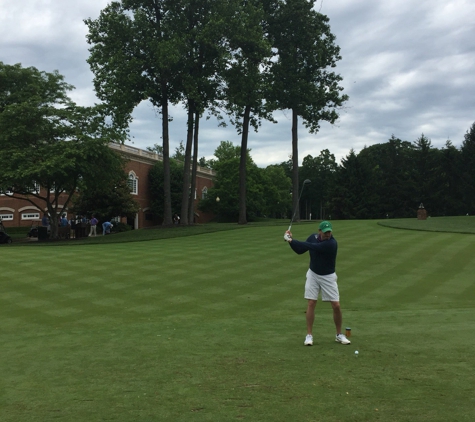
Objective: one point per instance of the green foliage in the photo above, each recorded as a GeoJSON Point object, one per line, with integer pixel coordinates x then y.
{"type": "Point", "coordinates": [245, 77]}
{"type": "Point", "coordinates": [276, 192]}
{"type": "Point", "coordinates": [226, 183]}
{"type": "Point", "coordinates": [383, 181]}
{"type": "Point", "coordinates": [247, 58]}
{"type": "Point", "coordinates": [179, 153]}
{"type": "Point", "coordinates": [302, 77]}
{"type": "Point", "coordinates": [267, 189]}
{"type": "Point", "coordinates": [156, 187]}
{"type": "Point", "coordinates": [452, 182]}
{"type": "Point", "coordinates": [135, 56]}
{"type": "Point", "coordinates": [46, 140]}
{"type": "Point", "coordinates": [355, 194]}
{"type": "Point", "coordinates": [108, 196]}
{"type": "Point", "coordinates": [316, 196]}
{"type": "Point", "coordinates": [123, 74]}
{"type": "Point", "coordinates": [393, 179]}
{"type": "Point", "coordinates": [468, 169]}
{"type": "Point", "coordinates": [120, 227]}
{"type": "Point", "coordinates": [157, 149]}
{"type": "Point", "coordinates": [203, 162]}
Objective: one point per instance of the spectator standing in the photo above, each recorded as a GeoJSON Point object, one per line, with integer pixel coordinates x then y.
{"type": "Point", "coordinates": [73, 227]}
{"type": "Point", "coordinates": [64, 221]}
{"type": "Point", "coordinates": [93, 223]}
{"type": "Point", "coordinates": [45, 220]}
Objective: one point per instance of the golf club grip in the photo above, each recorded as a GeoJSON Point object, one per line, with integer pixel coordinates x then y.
{"type": "Point", "coordinates": [288, 230]}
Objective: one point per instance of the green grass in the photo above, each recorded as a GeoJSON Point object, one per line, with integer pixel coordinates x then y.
{"type": "Point", "coordinates": [462, 224]}
{"type": "Point", "coordinates": [209, 326]}
{"type": "Point", "coordinates": [19, 234]}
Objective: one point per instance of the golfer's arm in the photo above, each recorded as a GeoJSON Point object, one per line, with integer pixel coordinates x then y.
{"type": "Point", "coordinates": [311, 246]}
{"type": "Point", "coordinates": [298, 247]}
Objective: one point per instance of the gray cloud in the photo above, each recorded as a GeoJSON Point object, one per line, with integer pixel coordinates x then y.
{"type": "Point", "coordinates": [407, 66]}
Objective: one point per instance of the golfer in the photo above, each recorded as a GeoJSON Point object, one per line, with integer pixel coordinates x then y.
{"type": "Point", "coordinates": [321, 276]}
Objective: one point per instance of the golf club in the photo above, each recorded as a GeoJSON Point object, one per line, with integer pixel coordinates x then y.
{"type": "Point", "coordinates": [306, 181]}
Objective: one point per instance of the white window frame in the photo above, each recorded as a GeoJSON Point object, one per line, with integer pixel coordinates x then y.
{"type": "Point", "coordinates": [133, 183]}
{"type": "Point", "coordinates": [204, 193]}
{"type": "Point", "coordinates": [30, 215]}
{"type": "Point", "coordinates": [6, 217]}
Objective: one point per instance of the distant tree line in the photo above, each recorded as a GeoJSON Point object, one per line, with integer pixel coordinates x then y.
{"type": "Point", "coordinates": [387, 180]}
{"type": "Point", "coordinates": [393, 179]}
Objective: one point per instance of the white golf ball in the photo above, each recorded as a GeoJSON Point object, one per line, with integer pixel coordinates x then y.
{"type": "Point", "coordinates": [356, 352]}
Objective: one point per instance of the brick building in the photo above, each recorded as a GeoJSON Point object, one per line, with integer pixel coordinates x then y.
{"type": "Point", "coordinates": [19, 213]}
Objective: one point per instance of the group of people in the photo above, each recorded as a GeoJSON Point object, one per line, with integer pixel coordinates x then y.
{"type": "Point", "coordinates": [73, 224]}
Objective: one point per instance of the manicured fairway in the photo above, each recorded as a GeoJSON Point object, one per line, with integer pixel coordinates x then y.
{"type": "Point", "coordinates": [211, 328]}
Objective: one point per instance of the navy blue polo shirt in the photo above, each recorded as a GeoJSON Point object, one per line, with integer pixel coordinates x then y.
{"type": "Point", "coordinates": [322, 253]}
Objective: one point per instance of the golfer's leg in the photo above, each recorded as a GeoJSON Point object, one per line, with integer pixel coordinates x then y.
{"type": "Point", "coordinates": [310, 315]}
{"type": "Point", "coordinates": [337, 316]}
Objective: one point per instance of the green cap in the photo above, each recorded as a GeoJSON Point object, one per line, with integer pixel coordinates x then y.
{"type": "Point", "coordinates": [325, 226]}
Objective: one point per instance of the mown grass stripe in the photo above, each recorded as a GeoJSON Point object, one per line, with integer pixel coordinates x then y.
{"type": "Point", "coordinates": [159, 329]}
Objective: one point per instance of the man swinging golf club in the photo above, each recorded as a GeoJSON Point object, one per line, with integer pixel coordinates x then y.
{"type": "Point", "coordinates": [321, 276]}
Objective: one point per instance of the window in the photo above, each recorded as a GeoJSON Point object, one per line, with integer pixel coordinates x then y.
{"type": "Point", "coordinates": [6, 193]}
{"type": "Point", "coordinates": [30, 216]}
{"type": "Point", "coordinates": [6, 217]}
{"type": "Point", "coordinates": [204, 193]}
{"type": "Point", "coordinates": [132, 182]}
{"type": "Point", "coordinates": [35, 188]}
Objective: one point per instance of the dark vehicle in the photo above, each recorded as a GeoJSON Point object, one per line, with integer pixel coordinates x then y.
{"type": "Point", "coordinates": [38, 231]}
{"type": "Point", "coordinates": [43, 233]}
{"type": "Point", "coordinates": [34, 229]}
{"type": "Point", "coordinates": [4, 238]}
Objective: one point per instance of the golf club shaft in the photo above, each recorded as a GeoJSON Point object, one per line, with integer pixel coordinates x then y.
{"type": "Point", "coordinates": [297, 205]}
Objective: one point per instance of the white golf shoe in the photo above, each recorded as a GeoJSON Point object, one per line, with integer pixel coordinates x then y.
{"type": "Point", "coordinates": [341, 338]}
{"type": "Point", "coordinates": [308, 340]}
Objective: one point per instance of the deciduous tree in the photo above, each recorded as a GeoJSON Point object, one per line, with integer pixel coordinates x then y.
{"type": "Point", "coordinates": [302, 76]}
{"type": "Point", "coordinates": [47, 141]}
{"type": "Point", "coordinates": [134, 57]}
{"type": "Point", "coordinates": [244, 92]}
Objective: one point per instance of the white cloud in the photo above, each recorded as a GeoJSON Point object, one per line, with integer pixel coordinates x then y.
{"type": "Point", "coordinates": [407, 65]}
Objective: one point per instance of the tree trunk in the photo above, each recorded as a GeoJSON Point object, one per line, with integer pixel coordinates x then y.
{"type": "Point", "coordinates": [191, 217]}
{"type": "Point", "coordinates": [186, 174]}
{"type": "Point", "coordinates": [54, 224]}
{"type": "Point", "coordinates": [295, 166]}
{"type": "Point", "coordinates": [167, 196]}
{"type": "Point", "coordinates": [243, 167]}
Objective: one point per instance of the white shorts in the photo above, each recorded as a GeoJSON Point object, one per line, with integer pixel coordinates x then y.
{"type": "Point", "coordinates": [326, 284]}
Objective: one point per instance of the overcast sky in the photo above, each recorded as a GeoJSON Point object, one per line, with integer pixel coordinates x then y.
{"type": "Point", "coordinates": [408, 67]}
